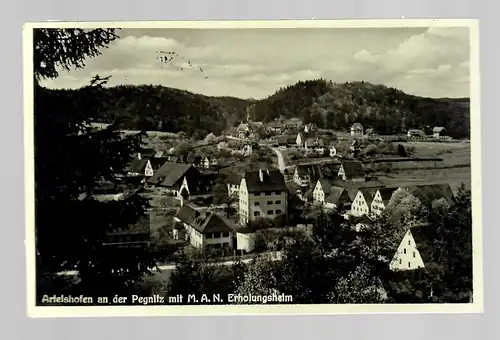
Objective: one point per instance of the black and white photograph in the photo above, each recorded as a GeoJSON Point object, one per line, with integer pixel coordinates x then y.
{"type": "Point", "coordinates": [252, 167]}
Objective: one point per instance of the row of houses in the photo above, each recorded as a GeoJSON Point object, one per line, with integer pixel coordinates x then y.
{"type": "Point", "coordinates": [437, 132]}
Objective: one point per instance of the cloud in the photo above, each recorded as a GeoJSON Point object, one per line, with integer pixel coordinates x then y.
{"type": "Point", "coordinates": [431, 62]}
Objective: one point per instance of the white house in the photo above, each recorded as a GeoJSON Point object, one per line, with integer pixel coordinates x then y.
{"type": "Point", "coordinates": [204, 229]}
{"type": "Point", "coordinates": [382, 199]}
{"type": "Point", "coordinates": [362, 202]}
{"type": "Point", "coordinates": [415, 133]}
{"type": "Point", "coordinates": [263, 194]}
{"type": "Point", "coordinates": [330, 196]}
{"type": "Point", "coordinates": [243, 131]}
{"type": "Point", "coordinates": [407, 256]}
{"type": "Point", "coordinates": [306, 174]}
{"type": "Point", "coordinates": [140, 167]}
{"type": "Point", "coordinates": [438, 131]}
{"type": "Point", "coordinates": [357, 129]}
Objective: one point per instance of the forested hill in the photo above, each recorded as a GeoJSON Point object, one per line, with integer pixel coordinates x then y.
{"type": "Point", "coordinates": [385, 109]}
{"type": "Point", "coordinates": [330, 105]}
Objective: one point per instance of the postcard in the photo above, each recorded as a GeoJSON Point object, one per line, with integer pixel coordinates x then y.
{"type": "Point", "coordinates": [252, 167]}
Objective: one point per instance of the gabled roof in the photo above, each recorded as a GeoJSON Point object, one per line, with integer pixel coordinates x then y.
{"type": "Point", "coordinates": [211, 222]}
{"type": "Point", "coordinates": [234, 179]}
{"type": "Point", "coordinates": [286, 139]}
{"type": "Point", "coordinates": [243, 127]}
{"type": "Point", "coordinates": [157, 162]}
{"type": "Point", "coordinates": [187, 213]}
{"type": "Point", "coordinates": [170, 173]}
{"type": "Point", "coordinates": [337, 195]}
{"type": "Point", "coordinates": [386, 193]}
{"type": "Point", "coordinates": [313, 170]}
{"type": "Point", "coordinates": [369, 194]}
{"type": "Point", "coordinates": [353, 169]}
{"type": "Point", "coordinates": [429, 192]}
{"type": "Point", "coordinates": [422, 235]}
{"type": "Point", "coordinates": [310, 141]}
{"type": "Point", "coordinates": [357, 126]}
{"type": "Point", "coordinates": [438, 129]}
{"type": "Point", "coordinates": [273, 180]}
{"type": "Point", "coordinates": [201, 184]}
{"type": "Point", "coordinates": [160, 153]}
{"type": "Point", "coordinates": [137, 166]}
{"type": "Point", "coordinates": [147, 152]}
{"type": "Point", "coordinates": [369, 131]}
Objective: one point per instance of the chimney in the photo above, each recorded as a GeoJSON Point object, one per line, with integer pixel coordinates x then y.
{"type": "Point", "coordinates": [261, 175]}
{"type": "Point", "coordinates": [267, 171]}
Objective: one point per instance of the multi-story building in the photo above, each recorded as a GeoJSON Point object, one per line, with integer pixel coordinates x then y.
{"type": "Point", "coordinates": [263, 194]}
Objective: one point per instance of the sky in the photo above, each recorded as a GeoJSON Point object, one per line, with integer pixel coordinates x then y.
{"type": "Point", "coordinates": [255, 63]}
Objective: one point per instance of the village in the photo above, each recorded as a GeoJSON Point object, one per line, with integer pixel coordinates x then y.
{"type": "Point", "coordinates": [240, 194]}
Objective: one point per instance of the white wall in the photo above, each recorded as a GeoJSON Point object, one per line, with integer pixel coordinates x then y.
{"type": "Point", "coordinates": [407, 256]}
{"type": "Point", "coordinates": [359, 206]}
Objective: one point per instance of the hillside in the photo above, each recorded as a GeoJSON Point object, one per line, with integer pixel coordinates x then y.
{"type": "Point", "coordinates": [330, 105]}
{"type": "Point", "coordinates": [388, 110]}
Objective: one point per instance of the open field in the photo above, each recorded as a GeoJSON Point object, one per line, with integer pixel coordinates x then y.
{"type": "Point", "coordinates": [454, 177]}
{"type": "Point", "coordinates": [451, 153]}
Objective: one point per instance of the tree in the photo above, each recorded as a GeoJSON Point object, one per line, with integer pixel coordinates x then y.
{"type": "Point", "coordinates": [402, 151]}
{"type": "Point", "coordinates": [259, 278]}
{"type": "Point", "coordinates": [210, 138]}
{"type": "Point", "coordinates": [71, 159]}
{"type": "Point", "coordinates": [360, 286]}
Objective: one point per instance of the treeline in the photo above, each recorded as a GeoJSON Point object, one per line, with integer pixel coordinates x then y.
{"type": "Point", "coordinates": [158, 108]}
{"type": "Point", "coordinates": [387, 110]}
{"type": "Point", "coordinates": [329, 105]}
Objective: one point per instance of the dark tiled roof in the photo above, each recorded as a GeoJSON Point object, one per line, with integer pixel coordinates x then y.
{"type": "Point", "coordinates": [147, 152]}
{"type": "Point", "coordinates": [187, 213]}
{"type": "Point", "coordinates": [273, 180]}
{"type": "Point", "coordinates": [368, 194]}
{"type": "Point", "coordinates": [211, 222]}
{"type": "Point", "coordinates": [430, 192]}
{"type": "Point", "coordinates": [234, 179]}
{"type": "Point", "coordinates": [313, 170]}
{"type": "Point", "coordinates": [171, 174]}
{"type": "Point", "coordinates": [386, 193]}
{"type": "Point", "coordinates": [137, 165]}
{"type": "Point", "coordinates": [353, 169]}
{"type": "Point", "coordinates": [422, 236]}
{"type": "Point", "coordinates": [338, 195]}
{"type": "Point", "coordinates": [157, 162]}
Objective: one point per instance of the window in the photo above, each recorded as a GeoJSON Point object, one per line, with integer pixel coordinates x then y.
{"type": "Point", "coordinates": [278, 202]}
{"type": "Point", "coordinates": [413, 254]}
{"type": "Point", "coordinates": [404, 250]}
{"type": "Point", "coordinates": [409, 242]}
{"type": "Point", "coordinates": [400, 261]}
{"type": "Point", "coordinates": [409, 264]}
{"type": "Point", "coordinates": [268, 194]}
{"type": "Point", "coordinates": [225, 234]}
{"type": "Point", "coordinates": [278, 192]}
{"type": "Point", "coordinates": [278, 212]}
{"type": "Point", "coordinates": [256, 203]}
{"type": "Point", "coordinates": [256, 213]}
{"type": "Point", "coordinates": [269, 202]}
{"type": "Point", "coordinates": [216, 235]}
{"type": "Point", "coordinates": [269, 212]}
{"type": "Point", "coordinates": [208, 235]}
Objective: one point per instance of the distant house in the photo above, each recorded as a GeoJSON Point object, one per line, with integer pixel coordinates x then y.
{"type": "Point", "coordinates": [210, 162]}
{"type": "Point", "coordinates": [382, 199]}
{"type": "Point", "coordinates": [274, 126]}
{"type": "Point", "coordinates": [171, 176]}
{"type": "Point", "coordinates": [308, 128]}
{"type": "Point", "coordinates": [438, 131]}
{"type": "Point", "coordinates": [314, 145]}
{"type": "Point", "coordinates": [205, 229]}
{"type": "Point", "coordinates": [361, 223]}
{"type": "Point", "coordinates": [304, 174]}
{"type": "Point", "coordinates": [145, 153]}
{"type": "Point", "coordinates": [140, 167]}
{"type": "Point", "coordinates": [352, 171]}
{"type": "Point", "coordinates": [330, 196]}
{"type": "Point", "coordinates": [160, 154]}
{"type": "Point", "coordinates": [292, 123]}
{"type": "Point", "coordinates": [361, 205]}
{"type": "Point", "coordinates": [286, 140]}
{"type": "Point", "coordinates": [370, 132]}
{"type": "Point", "coordinates": [411, 252]}
{"type": "Point", "coordinates": [332, 150]}
{"type": "Point", "coordinates": [263, 194]}
{"type": "Point", "coordinates": [415, 133]}
{"type": "Point", "coordinates": [357, 129]}
{"type": "Point", "coordinates": [233, 185]}
{"type": "Point", "coordinates": [247, 150]}
{"type": "Point", "coordinates": [243, 131]}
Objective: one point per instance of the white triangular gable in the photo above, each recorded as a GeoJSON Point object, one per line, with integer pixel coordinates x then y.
{"type": "Point", "coordinates": [407, 257]}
